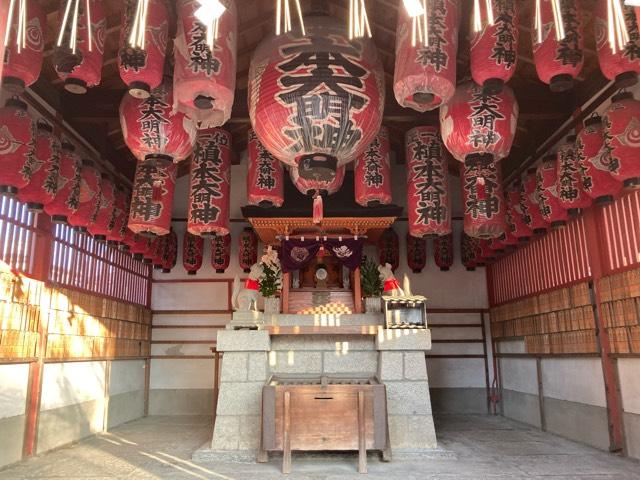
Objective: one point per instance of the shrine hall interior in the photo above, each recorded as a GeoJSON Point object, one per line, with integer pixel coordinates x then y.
{"type": "Point", "coordinates": [253, 238]}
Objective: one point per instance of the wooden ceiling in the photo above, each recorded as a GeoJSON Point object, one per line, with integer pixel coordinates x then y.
{"type": "Point", "coordinates": [95, 115]}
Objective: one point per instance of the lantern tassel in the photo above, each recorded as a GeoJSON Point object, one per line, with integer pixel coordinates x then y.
{"type": "Point", "coordinates": [318, 209]}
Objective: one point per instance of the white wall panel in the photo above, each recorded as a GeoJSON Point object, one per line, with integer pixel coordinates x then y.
{"type": "Point", "coordinates": [13, 389]}
{"type": "Point", "coordinates": [519, 375]}
{"type": "Point", "coordinates": [70, 383]}
{"type": "Point", "coordinates": [181, 374]}
{"type": "Point", "coordinates": [456, 372]}
{"type": "Point", "coordinates": [574, 379]}
{"type": "Point", "coordinates": [126, 376]}
{"type": "Point", "coordinates": [629, 373]}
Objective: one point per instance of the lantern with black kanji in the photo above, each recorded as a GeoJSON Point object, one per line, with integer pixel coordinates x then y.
{"type": "Point", "coordinates": [152, 196]}
{"type": "Point", "coordinates": [478, 124]}
{"type": "Point", "coordinates": [158, 251]}
{"type": "Point", "coordinates": [116, 230]}
{"type": "Point", "coordinates": [548, 196]}
{"type": "Point", "coordinates": [443, 252]}
{"type": "Point", "coordinates": [425, 70]}
{"type": "Point", "coordinates": [104, 211]}
{"type": "Point", "coordinates": [88, 198]}
{"type": "Point", "coordinates": [141, 61]}
{"type": "Point", "coordinates": [192, 252]}
{"type": "Point", "coordinates": [569, 179]}
{"type": "Point", "coordinates": [209, 193]}
{"type": "Point", "coordinates": [23, 57]}
{"type": "Point", "coordinates": [128, 239]}
{"type": "Point", "coordinates": [204, 79]}
{"type": "Point", "coordinates": [483, 199]}
{"type": "Point", "coordinates": [140, 246]}
{"type": "Point", "coordinates": [220, 252]}
{"type": "Point", "coordinates": [43, 186]}
{"type": "Point", "coordinates": [595, 162]}
{"type": "Point", "coordinates": [154, 243]}
{"type": "Point", "coordinates": [515, 216]}
{"type": "Point", "coordinates": [389, 248]}
{"type": "Point", "coordinates": [150, 128]}
{"type": "Point", "coordinates": [78, 57]}
{"type": "Point", "coordinates": [530, 204]}
{"type": "Point", "coordinates": [248, 249]}
{"type": "Point", "coordinates": [265, 177]}
{"type": "Point", "coordinates": [317, 98]}
{"type": "Point", "coordinates": [427, 183]}
{"type": "Point", "coordinates": [469, 251]}
{"type": "Point", "coordinates": [17, 137]}
{"type": "Point", "coordinates": [494, 46]}
{"type": "Point", "coordinates": [558, 58]}
{"type": "Point", "coordinates": [67, 197]}
{"type": "Point", "coordinates": [486, 255]}
{"type": "Point", "coordinates": [170, 254]}
{"type": "Point", "coordinates": [372, 173]}
{"type": "Point", "coordinates": [416, 253]}
{"type": "Point", "coordinates": [619, 57]}
{"type": "Point", "coordinates": [622, 138]}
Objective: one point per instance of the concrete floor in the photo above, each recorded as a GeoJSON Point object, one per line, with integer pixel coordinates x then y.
{"type": "Point", "coordinates": [472, 447]}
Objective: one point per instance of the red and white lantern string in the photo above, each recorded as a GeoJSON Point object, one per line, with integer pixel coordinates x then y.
{"type": "Point", "coordinates": [104, 211]}
{"type": "Point", "coordinates": [530, 204]}
{"type": "Point", "coordinates": [569, 178]}
{"type": "Point", "coordinates": [67, 197]}
{"type": "Point", "coordinates": [88, 197]}
{"type": "Point", "coordinates": [515, 217]}
{"type": "Point", "coordinates": [17, 141]}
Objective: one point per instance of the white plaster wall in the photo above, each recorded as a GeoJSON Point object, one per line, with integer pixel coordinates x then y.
{"type": "Point", "coordinates": [65, 384]}
{"type": "Point", "coordinates": [629, 376]}
{"type": "Point", "coordinates": [456, 372]}
{"type": "Point", "coordinates": [519, 375]}
{"type": "Point", "coordinates": [574, 379]}
{"type": "Point", "coordinates": [181, 374]}
{"type": "Point", "coordinates": [13, 389]}
{"type": "Point", "coordinates": [126, 376]}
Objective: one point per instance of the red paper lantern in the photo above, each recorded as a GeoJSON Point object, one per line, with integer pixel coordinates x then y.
{"type": "Point", "coordinates": [67, 198]}
{"type": "Point", "coordinates": [569, 178]}
{"type": "Point", "coordinates": [248, 249]}
{"type": "Point", "coordinates": [80, 66]}
{"type": "Point", "coordinates": [104, 211]}
{"type": "Point", "coordinates": [389, 248]}
{"type": "Point", "coordinates": [22, 64]}
{"type": "Point", "coordinates": [44, 176]}
{"type": "Point", "coordinates": [443, 252]}
{"type": "Point", "coordinates": [469, 251]}
{"type": "Point", "coordinates": [220, 252]}
{"type": "Point", "coordinates": [622, 138]}
{"type": "Point", "coordinates": [595, 162]}
{"type": "Point", "coordinates": [425, 75]}
{"type": "Point", "coordinates": [619, 64]}
{"type": "Point", "coordinates": [152, 197]}
{"type": "Point", "coordinates": [427, 183]}
{"type": "Point", "coordinates": [558, 62]}
{"type": "Point", "coordinates": [515, 216]}
{"type": "Point", "coordinates": [129, 239]}
{"type": "Point", "coordinates": [204, 80]}
{"type": "Point", "coordinates": [89, 197]}
{"type": "Point", "coordinates": [486, 255]}
{"type": "Point", "coordinates": [475, 123]}
{"type": "Point", "coordinates": [140, 246]}
{"type": "Point", "coordinates": [170, 254]}
{"type": "Point", "coordinates": [265, 178]}
{"type": "Point", "coordinates": [117, 228]}
{"type": "Point", "coordinates": [322, 186]}
{"type": "Point", "coordinates": [17, 137]}
{"type": "Point", "coordinates": [158, 251]}
{"type": "Point", "coordinates": [209, 193]}
{"type": "Point", "coordinates": [530, 204]}
{"type": "Point", "coordinates": [154, 244]}
{"type": "Point", "coordinates": [372, 173]}
{"type": "Point", "coordinates": [318, 97]}
{"type": "Point", "coordinates": [548, 196]}
{"type": "Point", "coordinates": [192, 252]}
{"type": "Point", "coordinates": [416, 253]}
{"type": "Point", "coordinates": [150, 129]}
{"type": "Point", "coordinates": [494, 49]}
{"type": "Point", "coordinates": [141, 69]}
{"type": "Point", "coordinates": [483, 200]}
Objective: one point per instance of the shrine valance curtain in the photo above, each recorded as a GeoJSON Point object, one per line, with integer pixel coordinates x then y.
{"type": "Point", "coordinates": [297, 254]}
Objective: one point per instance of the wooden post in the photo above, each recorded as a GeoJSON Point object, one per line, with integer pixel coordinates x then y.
{"type": "Point", "coordinates": [147, 382]}
{"type": "Point", "coordinates": [286, 284]}
{"type": "Point", "coordinates": [362, 435]}
{"type": "Point", "coordinates": [286, 440]}
{"type": "Point", "coordinates": [357, 291]}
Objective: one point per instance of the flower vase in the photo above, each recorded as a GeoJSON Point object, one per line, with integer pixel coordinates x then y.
{"type": "Point", "coordinates": [272, 305]}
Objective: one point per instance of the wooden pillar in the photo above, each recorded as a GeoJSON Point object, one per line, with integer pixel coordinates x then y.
{"type": "Point", "coordinates": [357, 291]}
{"type": "Point", "coordinates": [286, 284]}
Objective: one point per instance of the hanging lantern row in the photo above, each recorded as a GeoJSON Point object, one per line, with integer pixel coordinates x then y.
{"type": "Point", "coordinates": [192, 252]}
{"type": "Point", "coordinates": [416, 253]}
{"type": "Point", "coordinates": [104, 210]}
{"type": "Point", "coordinates": [88, 197]}
{"type": "Point", "coordinates": [389, 248]}
{"type": "Point", "coordinates": [220, 252]}
{"type": "Point", "coordinates": [265, 176]}
{"type": "Point", "coordinates": [372, 173]}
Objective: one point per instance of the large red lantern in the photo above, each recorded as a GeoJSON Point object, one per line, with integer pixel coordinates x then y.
{"type": "Point", "coordinates": [141, 66]}
{"type": "Point", "coordinates": [474, 123]}
{"type": "Point", "coordinates": [316, 98]}
{"type": "Point", "coordinates": [104, 211]}
{"type": "Point", "coordinates": [569, 178]}
{"type": "Point", "coordinates": [558, 59]}
{"type": "Point", "coordinates": [248, 249]}
{"type": "Point", "coordinates": [140, 246]}
{"type": "Point", "coordinates": [416, 253]}
{"type": "Point", "coordinates": [443, 252]}
{"type": "Point", "coordinates": [482, 199]}
{"type": "Point", "coordinates": [622, 138]}
{"type": "Point", "coordinates": [548, 196]}
{"type": "Point", "coordinates": [44, 177]}
{"type": "Point", "coordinates": [88, 198]}
{"type": "Point", "coordinates": [220, 252]}
{"type": "Point", "coordinates": [192, 252]}
{"type": "Point", "coordinates": [23, 61]}
{"type": "Point", "coordinates": [265, 178]}
{"type": "Point", "coordinates": [515, 217]}
{"type": "Point", "coordinates": [372, 173]}
{"type": "Point", "coordinates": [67, 198]}
{"type": "Point", "coordinates": [530, 204]}
{"type": "Point", "coordinates": [617, 62]}
{"type": "Point", "coordinates": [170, 254]}
{"type": "Point", "coordinates": [595, 161]}
{"type": "Point", "coordinates": [152, 197]}
{"type": "Point", "coordinates": [427, 183]}
{"type": "Point", "coordinates": [158, 251]}
{"type": "Point", "coordinates": [469, 251]}
{"type": "Point", "coordinates": [150, 129]}
{"type": "Point", "coordinates": [209, 193]}
{"type": "Point", "coordinates": [389, 248]}
{"type": "Point", "coordinates": [204, 80]}
{"type": "Point", "coordinates": [79, 61]}
{"type": "Point", "coordinates": [321, 186]}
{"type": "Point", "coordinates": [425, 72]}
{"type": "Point", "coordinates": [494, 48]}
{"type": "Point", "coordinates": [116, 231]}
{"type": "Point", "coordinates": [17, 137]}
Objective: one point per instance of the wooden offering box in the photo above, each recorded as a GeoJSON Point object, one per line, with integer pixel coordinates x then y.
{"type": "Point", "coordinates": [324, 413]}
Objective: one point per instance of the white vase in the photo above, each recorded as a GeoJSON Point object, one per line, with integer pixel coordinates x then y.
{"type": "Point", "coordinates": [372, 304]}
{"type": "Point", "coordinates": [272, 305]}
